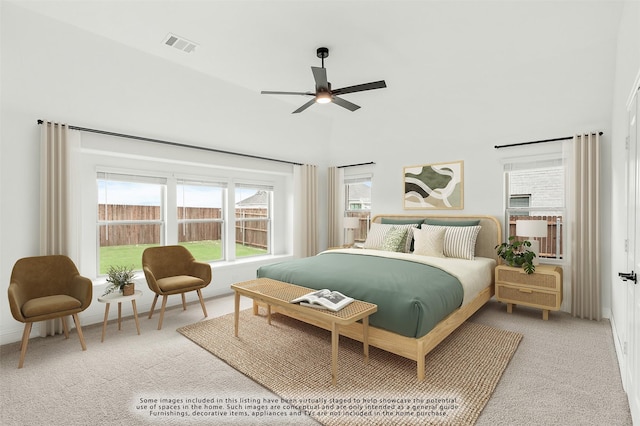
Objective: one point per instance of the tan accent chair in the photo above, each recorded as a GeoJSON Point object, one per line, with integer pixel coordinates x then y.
{"type": "Point", "coordinates": [173, 270]}
{"type": "Point", "coordinates": [44, 288]}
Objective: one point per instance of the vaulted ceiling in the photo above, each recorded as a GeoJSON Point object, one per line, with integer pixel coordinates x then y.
{"type": "Point", "coordinates": [427, 51]}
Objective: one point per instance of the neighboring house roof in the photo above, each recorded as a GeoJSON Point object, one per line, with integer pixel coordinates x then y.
{"type": "Point", "coordinates": [259, 199]}
{"type": "Point", "coordinates": [360, 192]}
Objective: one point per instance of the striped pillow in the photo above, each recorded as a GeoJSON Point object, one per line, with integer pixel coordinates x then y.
{"type": "Point", "coordinates": [459, 241]}
{"type": "Point", "coordinates": [377, 232]}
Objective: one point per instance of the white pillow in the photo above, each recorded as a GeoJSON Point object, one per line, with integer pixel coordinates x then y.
{"type": "Point", "coordinates": [459, 241]}
{"type": "Point", "coordinates": [377, 232]}
{"type": "Point", "coordinates": [429, 242]}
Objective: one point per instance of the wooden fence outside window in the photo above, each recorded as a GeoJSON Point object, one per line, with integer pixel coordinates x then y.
{"type": "Point", "coordinates": [249, 232]}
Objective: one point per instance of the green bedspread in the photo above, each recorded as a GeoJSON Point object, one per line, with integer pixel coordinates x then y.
{"type": "Point", "coordinates": [411, 297]}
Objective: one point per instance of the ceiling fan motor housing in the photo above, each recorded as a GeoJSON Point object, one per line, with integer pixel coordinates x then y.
{"type": "Point", "coordinates": [322, 52]}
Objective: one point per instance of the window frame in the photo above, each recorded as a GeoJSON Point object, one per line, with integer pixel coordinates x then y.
{"type": "Point", "coordinates": [170, 222]}
{"type": "Point", "coordinates": [538, 163]}
{"type": "Point", "coordinates": [212, 183]}
{"type": "Point", "coordinates": [268, 219]}
{"type": "Point", "coordinates": [129, 177]}
{"type": "Point", "coordinates": [360, 235]}
{"type": "Point", "coordinates": [117, 155]}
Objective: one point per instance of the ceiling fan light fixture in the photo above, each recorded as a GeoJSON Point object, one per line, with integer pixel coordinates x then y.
{"type": "Point", "coordinates": [323, 97]}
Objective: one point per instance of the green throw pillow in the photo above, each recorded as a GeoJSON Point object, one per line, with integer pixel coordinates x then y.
{"type": "Point", "coordinates": [395, 240]}
{"type": "Point", "coordinates": [391, 221]}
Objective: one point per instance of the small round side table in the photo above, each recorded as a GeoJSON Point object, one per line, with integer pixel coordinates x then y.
{"type": "Point", "coordinates": [119, 298]}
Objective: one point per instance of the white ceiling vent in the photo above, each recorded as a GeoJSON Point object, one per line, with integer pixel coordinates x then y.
{"type": "Point", "coordinates": [180, 43]}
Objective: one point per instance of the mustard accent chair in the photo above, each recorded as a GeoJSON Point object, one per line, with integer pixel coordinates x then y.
{"type": "Point", "coordinates": [44, 288]}
{"type": "Point", "coordinates": [173, 270]}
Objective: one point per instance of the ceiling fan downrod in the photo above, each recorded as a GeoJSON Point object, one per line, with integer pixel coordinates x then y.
{"type": "Point", "coordinates": [322, 53]}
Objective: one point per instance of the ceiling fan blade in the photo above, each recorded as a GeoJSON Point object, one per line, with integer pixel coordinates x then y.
{"type": "Point", "coordinates": [320, 76]}
{"type": "Point", "coordinates": [268, 92]}
{"type": "Point", "coordinates": [360, 87]}
{"type": "Point", "coordinates": [305, 106]}
{"type": "Point", "coordinates": [345, 104]}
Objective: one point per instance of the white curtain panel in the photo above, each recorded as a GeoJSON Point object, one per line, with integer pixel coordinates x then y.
{"type": "Point", "coordinates": [57, 146]}
{"type": "Point", "coordinates": [305, 242]}
{"type": "Point", "coordinates": [53, 188]}
{"type": "Point", "coordinates": [336, 206]}
{"type": "Point", "coordinates": [585, 238]}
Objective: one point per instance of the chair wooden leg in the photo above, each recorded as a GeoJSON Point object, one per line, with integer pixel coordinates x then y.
{"type": "Point", "coordinates": [65, 327]}
{"type": "Point", "coordinates": [164, 304]}
{"type": "Point", "coordinates": [80, 335]}
{"type": "Point", "coordinates": [184, 303]}
{"type": "Point", "coordinates": [153, 305]}
{"type": "Point", "coordinates": [204, 309]}
{"type": "Point", "coordinates": [25, 342]}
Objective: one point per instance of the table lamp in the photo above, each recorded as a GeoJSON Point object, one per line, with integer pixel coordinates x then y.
{"type": "Point", "coordinates": [350, 225]}
{"type": "Point", "coordinates": [532, 229]}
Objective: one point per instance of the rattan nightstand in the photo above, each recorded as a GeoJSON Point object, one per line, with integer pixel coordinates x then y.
{"type": "Point", "coordinates": [542, 289]}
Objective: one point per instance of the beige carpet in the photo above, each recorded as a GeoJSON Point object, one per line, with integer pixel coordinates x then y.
{"type": "Point", "coordinates": [293, 360]}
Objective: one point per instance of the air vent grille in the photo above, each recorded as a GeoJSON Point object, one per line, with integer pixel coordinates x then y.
{"type": "Point", "coordinates": [180, 43]}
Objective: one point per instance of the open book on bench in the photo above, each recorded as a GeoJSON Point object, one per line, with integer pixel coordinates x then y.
{"type": "Point", "coordinates": [324, 299]}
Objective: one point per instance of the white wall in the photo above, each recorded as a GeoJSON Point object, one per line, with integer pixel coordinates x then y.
{"type": "Point", "coordinates": [54, 71]}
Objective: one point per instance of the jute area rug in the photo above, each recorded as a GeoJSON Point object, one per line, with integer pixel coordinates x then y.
{"type": "Point", "coordinates": [293, 360]}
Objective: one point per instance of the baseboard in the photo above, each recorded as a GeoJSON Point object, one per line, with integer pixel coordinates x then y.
{"type": "Point", "coordinates": [14, 335]}
{"type": "Point", "coordinates": [620, 355]}
{"type": "Point", "coordinates": [94, 314]}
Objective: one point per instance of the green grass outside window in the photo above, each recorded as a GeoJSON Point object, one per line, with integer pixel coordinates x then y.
{"type": "Point", "coordinates": [205, 251]}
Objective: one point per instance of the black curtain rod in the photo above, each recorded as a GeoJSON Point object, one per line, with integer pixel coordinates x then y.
{"type": "Point", "coordinates": [540, 141]}
{"type": "Point", "coordinates": [354, 165]}
{"type": "Point", "coordinates": [202, 148]}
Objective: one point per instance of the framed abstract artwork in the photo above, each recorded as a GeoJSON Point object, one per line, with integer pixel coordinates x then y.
{"type": "Point", "coordinates": [434, 186]}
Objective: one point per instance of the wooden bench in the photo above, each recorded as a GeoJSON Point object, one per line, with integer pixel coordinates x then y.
{"type": "Point", "coordinates": [279, 294]}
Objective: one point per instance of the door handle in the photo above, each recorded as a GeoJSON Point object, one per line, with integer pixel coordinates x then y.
{"type": "Point", "coordinates": [631, 276]}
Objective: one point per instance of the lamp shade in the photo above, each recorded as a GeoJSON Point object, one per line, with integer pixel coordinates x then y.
{"type": "Point", "coordinates": [531, 228]}
{"type": "Point", "coordinates": [351, 222]}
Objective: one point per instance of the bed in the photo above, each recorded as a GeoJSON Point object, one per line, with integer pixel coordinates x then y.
{"type": "Point", "coordinates": [422, 296]}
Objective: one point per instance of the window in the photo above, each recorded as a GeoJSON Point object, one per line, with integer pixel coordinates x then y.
{"type": "Point", "coordinates": [201, 218]}
{"type": "Point", "coordinates": [130, 218]}
{"type": "Point", "coordinates": [536, 190]}
{"type": "Point", "coordinates": [139, 197]}
{"type": "Point", "coordinates": [519, 200]}
{"type": "Point", "coordinates": [357, 202]}
{"type": "Point", "coordinates": [253, 219]}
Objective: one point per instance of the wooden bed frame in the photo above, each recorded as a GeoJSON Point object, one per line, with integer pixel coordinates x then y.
{"type": "Point", "coordinates": [416, 349]}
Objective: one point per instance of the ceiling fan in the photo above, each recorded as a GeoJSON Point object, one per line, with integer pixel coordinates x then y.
{"type": "Point", "coordinates": [323, 93]}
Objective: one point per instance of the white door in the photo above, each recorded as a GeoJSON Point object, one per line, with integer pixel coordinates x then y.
{"type": "Point", "coordinates": [633, 263]}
